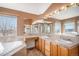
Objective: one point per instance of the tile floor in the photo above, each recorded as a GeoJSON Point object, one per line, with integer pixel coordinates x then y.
{"type": "Point", "coordinates": [34, 52]}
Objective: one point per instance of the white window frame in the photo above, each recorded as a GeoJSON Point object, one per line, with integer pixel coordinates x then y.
{"type": "Point", "coordinates": [4, 19]}
{"type": "Point", "coordinates": [69, 22]}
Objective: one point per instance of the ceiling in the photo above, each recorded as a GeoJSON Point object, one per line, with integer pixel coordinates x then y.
{"type": "Point", "coordinates": [34, 8]}
{"type": "Point", "coordinates": [40, 8]}
{"type": "Point", "coordinates": [65, 14]}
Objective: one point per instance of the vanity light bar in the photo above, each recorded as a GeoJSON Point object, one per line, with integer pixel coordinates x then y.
{"type": "Point", "coordinates": [72, 5]}
{"type": "Point", "coordinates": [63, 8]}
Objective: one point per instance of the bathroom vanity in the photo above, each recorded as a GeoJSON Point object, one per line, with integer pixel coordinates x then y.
{"type": "Point", "coordinates": [51, 47]}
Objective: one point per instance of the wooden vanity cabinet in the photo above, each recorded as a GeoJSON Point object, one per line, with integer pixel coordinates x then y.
{"type": "Point", "coordinates": [62, 51]}
{"type": "Point", "coordinates": [54, 49]}
{"type": "Point", "coordinates": [47, 48]}
{"type": "Point", "coordinates": [51, 49]}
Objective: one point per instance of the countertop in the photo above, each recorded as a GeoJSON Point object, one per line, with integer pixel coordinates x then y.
{"type": "Point", "coordinates": [56, 39]}
{"type": "Point", "coordinates": [63, 42]}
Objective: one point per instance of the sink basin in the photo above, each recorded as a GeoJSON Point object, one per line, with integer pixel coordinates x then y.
{"type": "Point", "coordinates": [46, 37]}
{"type": "Point", "coordinates": [62, 41]}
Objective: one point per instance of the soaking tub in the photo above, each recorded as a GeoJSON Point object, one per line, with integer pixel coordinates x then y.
{"type": "Point", "coordinates": [11, 48]}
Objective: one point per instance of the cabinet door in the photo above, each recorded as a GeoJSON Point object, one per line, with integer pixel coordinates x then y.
{"type": "Point", "coordinates": [59, 50]}
{"type": "Point", "coordinates": [64, 51]}
{"type": "Point", "coordinates": [40, 44]}
{"type": "Point", "coordinates": [47, 48]}
{"type": "Point", "coordinates": [43, 46]}
{"type": "Point", "coordinates": [47, 45]}
{"type": "Point", "coordinates": [54, 50]}
{"type": "Point", "coordinates": [74, 51]}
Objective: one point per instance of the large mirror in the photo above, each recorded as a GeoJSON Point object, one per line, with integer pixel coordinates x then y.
{"type": "Point", "coordinates": [42, 27]}
{"type": "Point", "coordinates": [57, 27]}
{"type": "Point", "coordinates": [35, 29]}
{"type": "Point", "coordinates": [27, 29]}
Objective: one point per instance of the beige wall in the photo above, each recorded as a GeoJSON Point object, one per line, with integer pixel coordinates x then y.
{"type": "Point", "coordinates": [28, 21]}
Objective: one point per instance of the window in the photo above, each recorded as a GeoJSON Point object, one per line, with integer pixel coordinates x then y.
{"type": "Point", "coordinates": [8, 25]}
{"type": "Point", "coordinates": [69, 26]}
{"type": "Point", "coordinates": [57, 27]}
